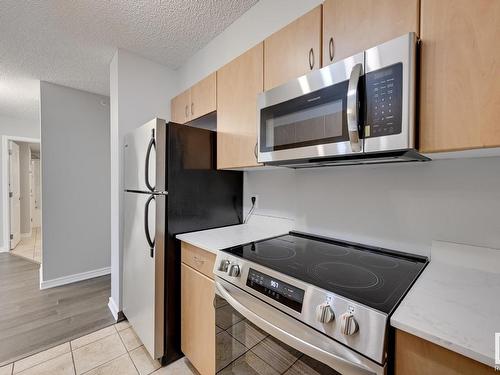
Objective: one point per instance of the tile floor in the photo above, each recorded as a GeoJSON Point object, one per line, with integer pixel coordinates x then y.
{"type": "Point", "coordinates": [30, 248]}
{"type": "Point", "coordinates": [114, 350]}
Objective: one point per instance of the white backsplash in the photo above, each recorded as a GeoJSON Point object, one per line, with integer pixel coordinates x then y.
{"type": "Point", "coordinates": [400, 206]}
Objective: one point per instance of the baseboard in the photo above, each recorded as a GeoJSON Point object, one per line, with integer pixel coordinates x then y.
{"type": "Point", "coordinates": [46, 284]}
{"type": "Point", "coordinates": [3, 250]}
{"type": "Point", "coordinates": [117, 314]}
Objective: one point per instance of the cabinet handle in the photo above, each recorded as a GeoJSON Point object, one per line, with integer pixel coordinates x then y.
{"type": "Point", "coordinates": [186, 111]}
{"type": "Point", "coordinates": [192, 108]}
{"type": "Point", "coordinates": [330, 48]}
{"type": "Point", "coordinates": [255, 150]}
{"type": "Point", "coordinates": [311, 58]}
{"type": "Point", "coordinates": [198, 260]}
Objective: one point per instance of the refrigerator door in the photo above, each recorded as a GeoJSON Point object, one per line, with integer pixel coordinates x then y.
{"type": "Point", "coordinates": [142, 158]}
{"type": "Point", "coordinates": [143, 268]}
{"type": "Point", "coordinates": [145, 203]}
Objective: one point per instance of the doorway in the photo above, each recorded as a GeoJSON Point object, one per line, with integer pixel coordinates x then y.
{"type": "Point", "coordinates": [23, 188]}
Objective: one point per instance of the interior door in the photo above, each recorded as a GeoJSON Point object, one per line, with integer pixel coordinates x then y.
{"type": "Point", "coordinates": [14, 195]}
{"type": "Point", "coordinates": [36, 192]}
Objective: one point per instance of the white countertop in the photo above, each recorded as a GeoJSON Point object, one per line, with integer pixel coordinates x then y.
{"type": "Point", "coordinates": [258, 228]}
{"type": "Point", "coordinates": [455, 303]}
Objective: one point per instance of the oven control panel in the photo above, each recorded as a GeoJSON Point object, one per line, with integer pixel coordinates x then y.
{"type": "Point", "coordinates": [276, 289]}
{"type": "Point", "coordinates": [384, 93]}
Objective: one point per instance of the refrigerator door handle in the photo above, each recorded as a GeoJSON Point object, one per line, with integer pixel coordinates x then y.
{"type": "Point", "coordinates": [151, 242]}
{"type": "Point", "coordinates": [151, 144]}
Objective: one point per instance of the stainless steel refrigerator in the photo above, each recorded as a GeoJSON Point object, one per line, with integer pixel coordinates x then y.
{"type": "Point", "coordinates": [172, 186]}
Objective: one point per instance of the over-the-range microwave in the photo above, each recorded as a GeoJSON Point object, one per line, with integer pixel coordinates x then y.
{"type": "Point", "coordinates": [356, 111]}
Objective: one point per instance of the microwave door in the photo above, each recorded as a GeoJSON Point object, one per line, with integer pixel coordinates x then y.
{"type": "Point", "coordinates": [390, 90]}
{"type": "Point", "coordinates": [307, 118]}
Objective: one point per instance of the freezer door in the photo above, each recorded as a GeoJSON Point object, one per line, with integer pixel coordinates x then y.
{"type": "Point", "coordinates": [143, 268]}
{"type": "Point", "coordinates": [142, 153]}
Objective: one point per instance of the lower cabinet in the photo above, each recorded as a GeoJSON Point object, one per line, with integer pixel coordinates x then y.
{"type": "Point", "coordinates": [198, 319]}
{"type": "Point", "coordinates": [417, 356]}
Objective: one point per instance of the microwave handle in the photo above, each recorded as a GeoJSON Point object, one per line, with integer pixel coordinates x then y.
{"type": "Point", "coordinates": [352, 108]}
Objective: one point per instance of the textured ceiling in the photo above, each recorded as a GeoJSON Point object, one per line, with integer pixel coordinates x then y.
{"type": "Point", "coordinates": [71, 42]}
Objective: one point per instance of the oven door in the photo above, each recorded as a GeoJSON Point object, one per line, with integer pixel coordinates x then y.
{"type": "Point", "coordinates": [313, 116]}
{"type": "Point", "coordinates": [254, 337]}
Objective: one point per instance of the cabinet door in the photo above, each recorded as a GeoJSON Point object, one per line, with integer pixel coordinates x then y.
{"type": "Point", "coordinates": [414, 356]}
{"type": "Point", "coordinates": [203, 97]}
{"type": "Point", "coordinates": [294, 50]}
{"type": "Point", "coordinates": [460, 61]}
{"type": "Point", "coordinates": [351, 26]}
{"type": "Point", "coordinates": [198, 320]}
{"type": "Point", "coordinates": [180, 108]}
{"type": "Point", "coordinates": [238, 84]}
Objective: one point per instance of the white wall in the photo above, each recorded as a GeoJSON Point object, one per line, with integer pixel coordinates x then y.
{"type": "Point", "coordinates": [260, 21]}
{"type": "Point", "coordinates": [10, 126]}
{"type": "Point", "coordinates": [140, 90]}
{"type": "Point", "coordinates": [29, 128]}
{"type": "Point", "coordinates": [400, 206]}
{"type": "Point", "coordinates": [75, 181]}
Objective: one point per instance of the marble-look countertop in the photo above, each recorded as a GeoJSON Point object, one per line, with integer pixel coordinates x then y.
{"type": "Point", "coordinates": [455, 303]}
{"type": "Point", "coordinates": [258, 228]}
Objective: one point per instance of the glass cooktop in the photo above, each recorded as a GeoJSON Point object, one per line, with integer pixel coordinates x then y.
{"type": "Point", "coordinates": [375, 277]}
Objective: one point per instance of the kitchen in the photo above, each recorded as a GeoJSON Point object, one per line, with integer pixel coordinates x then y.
{"type": "Point", "coordinates": [271, 275]}
{"type": "Point", "coordinates": [319, 195]}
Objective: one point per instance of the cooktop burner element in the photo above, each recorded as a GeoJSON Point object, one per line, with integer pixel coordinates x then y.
{"type": "Point", "coordinates": [345, 276]}
{"type": "Point", "coordinates": [375, 277]}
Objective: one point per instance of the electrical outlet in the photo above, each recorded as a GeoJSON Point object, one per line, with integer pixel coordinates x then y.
{"type": "Point", "coordinates": [256, 200]}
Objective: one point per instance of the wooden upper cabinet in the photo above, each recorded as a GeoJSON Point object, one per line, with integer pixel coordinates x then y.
{"type": "Point", "coordinates": [238, 84]}
{"type": "Point", "coordinates": [203, 97]}
{"type": "Point", "coordinates": [351, 26]}
{"type": "Point", "coordinates": [180, 107]}
{"type": "Point", "coordinates": [196, 101]}
{"type": "Point", "coordinates": [294, 50]}
{"type": "Point", "coordinates": [460, 65]}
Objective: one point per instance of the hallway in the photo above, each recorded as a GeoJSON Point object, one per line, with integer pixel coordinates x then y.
{"type": "Point", "coordinates": [31, 247]}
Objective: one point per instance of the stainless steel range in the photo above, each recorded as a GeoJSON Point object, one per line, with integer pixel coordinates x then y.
{"type": "Point", "coordinates": [328, 300]}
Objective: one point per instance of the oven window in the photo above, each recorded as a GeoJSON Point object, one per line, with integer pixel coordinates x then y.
{"type": "Point", "coordinates": [244, 348]}
{"type": "Point", "coordinates": [313, 119]}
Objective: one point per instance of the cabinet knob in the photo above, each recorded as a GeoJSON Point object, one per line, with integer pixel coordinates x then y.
{"type": "Point", "coordinates": [330, 49]}
{"type": "Point", "coordinates": [311, 59]}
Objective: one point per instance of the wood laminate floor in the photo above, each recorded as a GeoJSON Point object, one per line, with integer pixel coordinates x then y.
{"type": "Point", "coordinates": [32, 320]}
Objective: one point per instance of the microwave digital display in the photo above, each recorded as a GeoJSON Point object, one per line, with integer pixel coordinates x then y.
{"type": "Point", "coordinates": [278, 290]}
{"type": "Point", "coordinates": [384, 97]}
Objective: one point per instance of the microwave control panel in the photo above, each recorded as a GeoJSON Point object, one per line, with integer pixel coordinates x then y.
{"type": "Point", "coordinates": [384, 97]}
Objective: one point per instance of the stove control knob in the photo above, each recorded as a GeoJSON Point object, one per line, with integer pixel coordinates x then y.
{"type": "Point", "coordinates": [324, 313]}
{"type": "Point", "coordinates": [234, 270]}
{"type": "Point", "coordinates": [224, 265]}
{"type": "Point", "coordinates": [348, 324]}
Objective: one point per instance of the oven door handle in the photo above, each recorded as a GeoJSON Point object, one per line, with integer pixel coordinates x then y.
{"type": "Point", "coordinates": [296, 335]}
{"type": "Point", "coordinates": [352, 108]}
